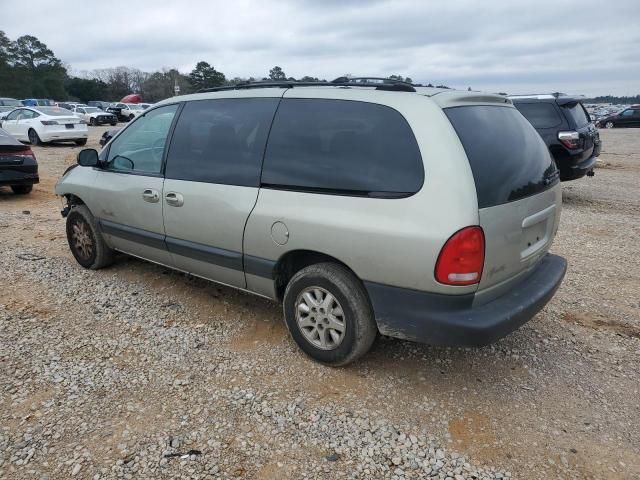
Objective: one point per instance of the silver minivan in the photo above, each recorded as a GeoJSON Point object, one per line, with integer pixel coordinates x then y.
{"type": "Point", "coordinates": [365, 208]}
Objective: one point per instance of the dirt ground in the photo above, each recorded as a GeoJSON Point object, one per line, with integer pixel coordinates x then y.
{"type": "Point", "coordinates": [559, 398]}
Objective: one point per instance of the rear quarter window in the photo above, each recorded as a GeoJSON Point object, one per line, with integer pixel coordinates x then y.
{"type": "Point", "coordinates": [576, 113]}
{"type": "Point", "coordinates": [508, 158]}
{"type": "Point", "coordinates": [540, 115]}
{"type": "Point", "coordinates": [344, 147]}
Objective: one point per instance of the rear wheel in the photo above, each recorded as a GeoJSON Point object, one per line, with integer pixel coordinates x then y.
{"type": "Point", "coordinates": [34, 139]}
{"type": "Point", "coordinates": [131, 117]}
{"type": "Point", "coordinates": [328, 314]}
{"type": "Point", "coordinates": [81, 142]}
{"type": "Point", "coordinates": [609, 124]}
{"type": "Point", "coordinates": [93, 122]}
{"type": "Point", "coordinates": [85, 240]}
{"type": "Point", "coordinates": [21, 189]}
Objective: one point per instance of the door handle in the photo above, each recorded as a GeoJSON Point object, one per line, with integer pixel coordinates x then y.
{"type": "Point", "coordinates": [150, 195]}
{"type": "Point", "coordinates": [174, 199]}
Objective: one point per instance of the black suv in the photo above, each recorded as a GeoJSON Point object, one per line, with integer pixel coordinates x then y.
{"type": "Point", "coordinates": [565, 126]}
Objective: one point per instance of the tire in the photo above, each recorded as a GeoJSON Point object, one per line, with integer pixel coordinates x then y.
{"type": "Point", "coordinates": [34, 139]}
{"type": "Point", "coordinates": [81, 142]}
{"type": "Point", "coordinates": [21, 189]}
{"type": "Point", "coordinates": [131, 117]}
{"type": "Point", "coordinates": [93, 122]}
{"type": "Point", "coordinates": [114, 124]}
{"type": "Point", "coordinates": [85, 240]}
{"type": "Point", "coordinates": [314, 285]}
{"type": "Point", "coordinates": [609, 125]}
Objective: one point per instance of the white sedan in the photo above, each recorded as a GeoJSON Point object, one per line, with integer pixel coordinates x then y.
{"type": "Point", "coordinates": [45, 124]}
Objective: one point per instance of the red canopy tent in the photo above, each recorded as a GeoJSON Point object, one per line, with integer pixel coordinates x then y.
{"type": "Point", "coordinates": [133, 98]}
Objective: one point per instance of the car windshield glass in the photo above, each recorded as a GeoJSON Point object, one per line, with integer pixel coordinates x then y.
{"type": "Point", "coordinates": [11, 102]}
{"type": "Point", "coordinates": [577, 112]}
{"type": "Point", "coordinates": [5, 109]}
{"type": "Point", "coordinates": [135, 107]}
{"type": "Point", "coordinates": [54, 111]}
{"type": "Point", "coordinates": [91, 109]}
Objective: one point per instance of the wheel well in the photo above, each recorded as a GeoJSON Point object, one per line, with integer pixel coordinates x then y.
{"type": "Point", "coordinates": [73, 200]}
{"type": "Point", "coordinates": [292, 262]}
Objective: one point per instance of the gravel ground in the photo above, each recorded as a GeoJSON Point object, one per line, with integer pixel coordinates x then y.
{"type": "Point", "coordinates": [138, 372]}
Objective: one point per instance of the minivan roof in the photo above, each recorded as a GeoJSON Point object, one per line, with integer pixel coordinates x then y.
{"type": "Point", "coordinates": [443, 97]}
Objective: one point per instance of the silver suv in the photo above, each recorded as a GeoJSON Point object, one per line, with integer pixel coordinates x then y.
{"type": "Point", "coordinates": [419, 213]}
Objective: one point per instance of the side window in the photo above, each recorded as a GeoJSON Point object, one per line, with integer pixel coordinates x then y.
{"type": "Point", "coordinates": [14, 115]}
{"type": "Point", "coordinates": [338, 146]}
{"type": "Point", "coordinates": [221, 141]}
{"type": "Point", "coordinates": [27, 115]}
{"type": "Point", "coordinates": [627, 113]}
{"type": "Point", "coordinates": [140, 147]}
{"type": "Point", "coordinates": [540, 115]}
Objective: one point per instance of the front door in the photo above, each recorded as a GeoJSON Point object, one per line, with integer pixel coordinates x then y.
{"type": "Point", "coordinates": [212, 182]}
{"type": "Point", "coordinates": [128, 190]}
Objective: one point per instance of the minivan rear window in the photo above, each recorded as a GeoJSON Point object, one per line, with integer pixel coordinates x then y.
{"type": "Point", "coordinates": [508, 158]}
{"type": "Point", "coordinates": [342, 147]}
{"type": "Point", "coordinates": [577, 113]}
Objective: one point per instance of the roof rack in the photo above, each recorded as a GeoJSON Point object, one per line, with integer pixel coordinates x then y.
{"type": "Point", "coordinates": [372, 82]}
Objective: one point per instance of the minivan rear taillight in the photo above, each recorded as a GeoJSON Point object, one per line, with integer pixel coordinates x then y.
{"type": "Point", "coordinates": [570, 140]}
{"type": "Point", "coordinates": [461, 259]}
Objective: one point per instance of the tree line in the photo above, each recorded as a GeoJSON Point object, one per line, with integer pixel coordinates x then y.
{"type": "Point", "coordinates": [29, 69]}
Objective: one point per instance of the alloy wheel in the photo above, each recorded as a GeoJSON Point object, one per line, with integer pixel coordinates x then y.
{"type": "Point", "coordinates": [82, 239]}
{"type": "Point", "coordinates": [320, 318]}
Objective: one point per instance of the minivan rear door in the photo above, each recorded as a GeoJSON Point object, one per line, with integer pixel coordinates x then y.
{"type": "Point", "coordinates": [517, 185]}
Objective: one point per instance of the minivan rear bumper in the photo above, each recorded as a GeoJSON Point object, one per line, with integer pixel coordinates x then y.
{"type": "Point", "coordinates": [453, 320]}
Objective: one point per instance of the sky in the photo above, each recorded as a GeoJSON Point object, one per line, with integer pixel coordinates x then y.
{"type": "Point", "coordinates": [519, 46]}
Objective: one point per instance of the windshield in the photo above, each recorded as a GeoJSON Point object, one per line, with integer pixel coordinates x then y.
{"type": "Point", "coordinates": [10, 102]}
{"type": "Point", "coordinates": [54, 111]}
{"type": "Point", "coordinates": [135, 107]}
{"type": "Point", "coordinates": [5, 109]}
{"type": "Point", "coordinates": [91, 109]}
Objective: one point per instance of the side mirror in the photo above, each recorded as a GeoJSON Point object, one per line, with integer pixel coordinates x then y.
{"type": "Point", "coordinates": [88, 158]}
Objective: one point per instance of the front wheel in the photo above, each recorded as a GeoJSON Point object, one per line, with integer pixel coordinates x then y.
{"type": "Point", "coordinates": [85, 240]}
{"type": "Point", "coordinates": [21, 189]}
{"type": "Point", "coordinates": [34, 139]}
{"type": "Point", "coordinates": [609, 124]}
{"type": "Point", "coordinates": [131, 117]}
{"type": "Point", "coordinates": [328, 314]}
{"type": "Point", "coordinates": [81, 142]}
{"type": "Point", "coordinates": [93, 122]}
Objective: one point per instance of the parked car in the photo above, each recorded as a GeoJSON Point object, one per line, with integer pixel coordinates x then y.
{"type": "Point", "coordinates": [565, 126]}
{"type": "Point", "coordinates": [126, 111]}
{"type": "Point", "coordinates": [5, 110]}
{"type": "Point", "coordinates": [129, 111]}
{"type": "Point", "coordinates": [629, 117]}
{"type": "Point", "coordinates": [94, 116]}
{"type": "Point", "coordinates": [108, 135]}
{"type": "Point", "coordinates": [9, 102]}
{"type": "Point", "coordinates": [45, 124]}
{"type": "Point", "coordinates": [98, 104]}
{"type": "Point", "coordinates": [336, 202]}
{"type": "Point", "coordinates": [18, 166]}
{"type": "Point", "coordinates": [38, 102]}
